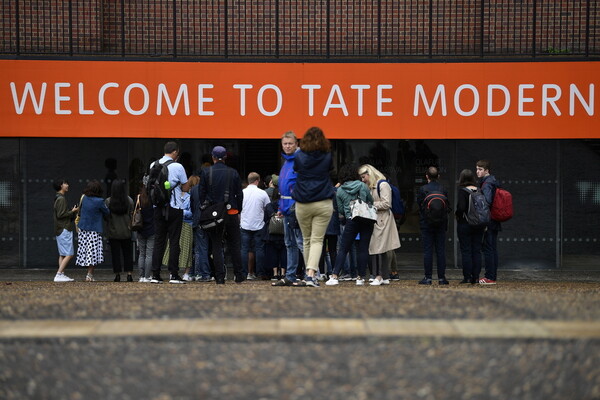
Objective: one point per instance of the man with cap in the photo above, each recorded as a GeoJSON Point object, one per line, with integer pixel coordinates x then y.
{"type": "Point", "coordinates": [216, 181]}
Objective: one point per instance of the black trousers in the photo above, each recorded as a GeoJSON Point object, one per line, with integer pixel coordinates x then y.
{"type": "Point", "coordinates": [229, 231]}
{"type": "Point", "coordinates": [168, 226]}
{"type": "Point", "coordinates": [120, 247]}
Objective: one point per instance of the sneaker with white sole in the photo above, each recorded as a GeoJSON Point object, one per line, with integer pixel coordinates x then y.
{"type": "Point", "coordinates": [385, 282]}
{"type": "Point", "coordinates": [332, 281]}
{"type": "Point", "coordinates": [376, 282]}
{"type": "Point", "coordinates": [188, 278]}
{"type": "Point", "coordinates": [176, 279]}
{"type": "Point", "coordinates": [143, 279]}
{"type": "Point", "coordinates": [310, 281]}
{"type": "Point", "coordinates": [61, 277]}
{"type": "Point", "coordinates": [360, 282]}
{"type": "Point", "coordinates": [345, 277]}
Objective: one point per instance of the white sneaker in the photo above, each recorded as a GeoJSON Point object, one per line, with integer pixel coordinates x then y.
{"type": "Point", "coordinates": [332, 281]}
{"type": "Point", "coordinates": [360, 282]}
{"type": "Point", "coordinates": [376, 282]}
{"type": "Point", "coordinates": [187, 278]}
{"type": "Point", "coordinates": [61, 277]}
{"type": "Point", "coordinates": [385, 282]}
{"type": "Point", "coordinates": [320, 277]}
{"type": "Point", "coordinates": [251, 277]}
{"type": "Point", "coordinates": [144, 280]}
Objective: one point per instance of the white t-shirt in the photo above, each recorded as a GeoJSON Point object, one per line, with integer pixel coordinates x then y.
{"type": "Point", "coordinates": [253, 208]}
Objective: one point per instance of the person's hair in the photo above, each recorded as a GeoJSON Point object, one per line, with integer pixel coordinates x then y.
{"type": "Point", "coordinates": [466, 178]}
{"type": "Point", "coordinates": [290, 135]}
{"type": "Point", "coordinates": [314, 140]}
{"type": "Point", "coordinates": [485, 164]}
{"type": "Point", "coordinates": [58, 182]}
{"type": "Point", "coordinates": [170, 147]}
{"type": "Point", "coordinates": [253, 177]}
{"type": "Point", "coordinates": [144, 198]}
{"type": "Point", "coordinates": [347, 173]}
{"type": "Point", "coordinates": [276, 195]}
{"type": "Point", "coordinates": [374, 174]}
{"type": "Point", "coordinates": [119, 203]}
{"type": "Point", "coordinates": [432, 173]}
{"type": "Point", "coordinates": [93, 189]}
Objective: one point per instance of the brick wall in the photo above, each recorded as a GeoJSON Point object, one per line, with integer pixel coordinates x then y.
{"type": "Point", "coordinates": [300, 28]}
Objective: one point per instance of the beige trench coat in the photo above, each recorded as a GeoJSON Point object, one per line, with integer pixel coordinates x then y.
{"type": "Point", "coordinates": [385, 234]}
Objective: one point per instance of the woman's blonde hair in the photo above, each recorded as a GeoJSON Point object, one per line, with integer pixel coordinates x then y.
{"type": "Point", "coordinates": [374, 174]}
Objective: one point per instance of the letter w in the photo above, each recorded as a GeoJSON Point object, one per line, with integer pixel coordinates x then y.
{"type": "Point", "coordinates": [19, 106]}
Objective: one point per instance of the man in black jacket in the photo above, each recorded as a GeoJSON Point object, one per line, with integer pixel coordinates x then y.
{"type": "Point", "coordinates": [218, 182]}
{"type": "Point", "coordinates": [432, 199]}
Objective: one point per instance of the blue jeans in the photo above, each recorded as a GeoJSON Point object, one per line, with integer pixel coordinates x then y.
{"type": "Point", "coordinates": [434, 238]}
{"type": "Point", "coordinates": [293, 244]}
{"type": "Point", "coordinates": [351, 229]}
{"type": "Point", "coordinates": [490, 253]}
{"type": "Point", "coordinates": [146, 247]}
{"type": "Point", "coordinates": [201, 265]}
{"type": "Point", "coordinates": [252, 241]}
{"type": "Point", "coordinates": [469, 239]}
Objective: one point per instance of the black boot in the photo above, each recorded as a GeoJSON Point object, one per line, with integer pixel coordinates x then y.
{"type": "Point", "coordinates": [118, 278]}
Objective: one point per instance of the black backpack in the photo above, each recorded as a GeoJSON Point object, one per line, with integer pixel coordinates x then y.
{"type": "Point", "coordinates": [478, 213]}
{"type": "Point", "coordinates": [435, 209]}
{"type": "Point", "coordinates": [158, 176]}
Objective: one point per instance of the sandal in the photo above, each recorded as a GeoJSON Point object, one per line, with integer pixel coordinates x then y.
{"type": "Point", "coordinates": [299, 284]}
{"type": "Point", "coordinates": [282, 282]}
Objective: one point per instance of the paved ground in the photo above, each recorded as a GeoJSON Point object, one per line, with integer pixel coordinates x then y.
{"type": "Point", "coordinates": [536, 335]}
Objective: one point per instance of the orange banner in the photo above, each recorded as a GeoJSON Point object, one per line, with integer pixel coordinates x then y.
{"type": "Point", "coordinates": [263, 100]}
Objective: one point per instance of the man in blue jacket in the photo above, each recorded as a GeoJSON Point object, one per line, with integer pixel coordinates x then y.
{"type": "Point", "coordinates": [213, 189]}
{"type": "Point", "coordinates": [292, 233]}
{"type": "Point", "coordinates": [490, 238]}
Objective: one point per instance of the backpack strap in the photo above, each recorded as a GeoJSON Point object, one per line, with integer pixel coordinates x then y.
{"type": "Point", "coordinates": [226, 194]}
{"type": "Point", "coordinates": [379, 184]}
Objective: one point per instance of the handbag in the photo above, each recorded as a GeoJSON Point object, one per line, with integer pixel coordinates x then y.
{"type": "Point", "coordinates": [275, 225]}
{"type": "Point", "coordinates": [137, 222]}
{"type": "Point", "coordinates": [78, 216]}
{"type": "Point", "coordinates": [363, 210]}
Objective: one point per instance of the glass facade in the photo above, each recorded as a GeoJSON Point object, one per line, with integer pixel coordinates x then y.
{"type": "Point", "coordinates": [555, 186]}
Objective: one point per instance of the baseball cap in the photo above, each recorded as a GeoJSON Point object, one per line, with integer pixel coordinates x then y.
{"type": "Point", "coordinates": [219, 152]}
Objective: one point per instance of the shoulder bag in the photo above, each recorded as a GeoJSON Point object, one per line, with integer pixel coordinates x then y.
{"type": "Point", "coordinates": [137, 222]}
{"type": "Point", "coordinates": [78, 217]}
{"type": "Point", "coordinates": [213, 214]}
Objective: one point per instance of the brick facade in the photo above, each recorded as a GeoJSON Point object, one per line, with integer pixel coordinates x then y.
{"type": "Point", "coordinates": [301, 28]}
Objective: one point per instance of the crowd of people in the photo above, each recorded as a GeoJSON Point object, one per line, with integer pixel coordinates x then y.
{"type": "Point", "coordinates": [301, 227]}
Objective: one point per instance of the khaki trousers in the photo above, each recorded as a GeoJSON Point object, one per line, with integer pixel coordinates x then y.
{"type": "Point", "coordinates": [313, 219]}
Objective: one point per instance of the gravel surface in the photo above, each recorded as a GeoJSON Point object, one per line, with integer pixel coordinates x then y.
{"type": "Point", "coordinates": [403, 299]}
